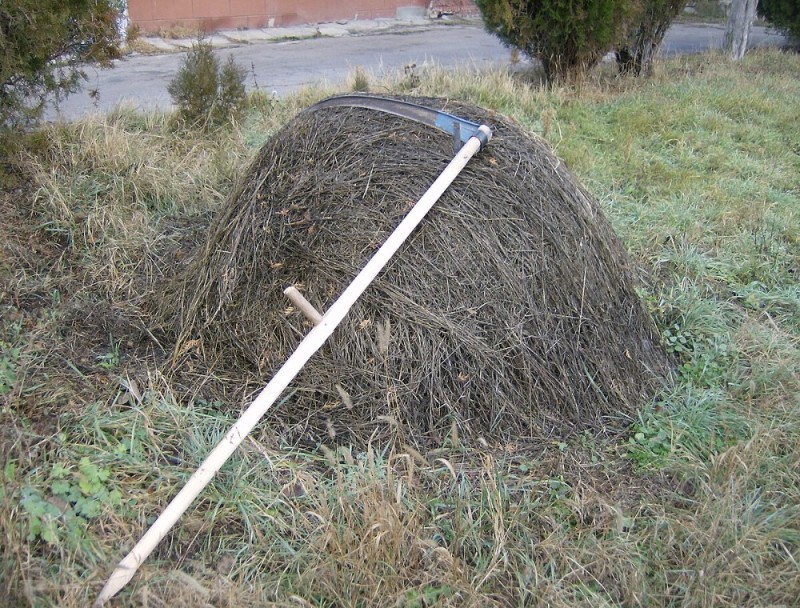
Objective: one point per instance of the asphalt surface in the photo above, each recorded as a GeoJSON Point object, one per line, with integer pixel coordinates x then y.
{"type": "Point", "coordinates": [281, 67]}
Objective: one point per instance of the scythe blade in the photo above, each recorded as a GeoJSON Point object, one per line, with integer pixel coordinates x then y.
{"type": "Point", "coordinates": [460, 128]}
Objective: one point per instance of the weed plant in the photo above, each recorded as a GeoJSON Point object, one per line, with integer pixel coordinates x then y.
{"type": "Point", "coordinates": [697, 504]}
{"type": "Point", "coordinates": [207, 94]}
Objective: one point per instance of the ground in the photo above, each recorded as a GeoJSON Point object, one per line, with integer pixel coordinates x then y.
{"type": "Point", "coordinates": [694, 502]}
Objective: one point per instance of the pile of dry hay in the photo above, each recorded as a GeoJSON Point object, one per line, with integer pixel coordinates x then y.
{"type": "Point", "coordinates": [510, 312]}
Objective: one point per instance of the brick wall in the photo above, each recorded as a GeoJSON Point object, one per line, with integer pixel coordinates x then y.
{"type": "Point", "coordinates": [210, 15]}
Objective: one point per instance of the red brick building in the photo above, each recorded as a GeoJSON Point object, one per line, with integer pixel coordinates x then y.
{"type": "Point", "coordinates": [210, 15]}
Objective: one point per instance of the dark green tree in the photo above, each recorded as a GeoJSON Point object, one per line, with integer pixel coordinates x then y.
{"type": "Point", "coordinates": [649, 23]}
{"type": "Point", "coordinates": [569, 37]}
{"type": "Point", "coordinates": [43, 46]}
{"type": "Point", "coordinates": [784, 15]}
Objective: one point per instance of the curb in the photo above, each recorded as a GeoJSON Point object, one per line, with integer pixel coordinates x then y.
{"type": "Point", "coordinates": [337, 29]}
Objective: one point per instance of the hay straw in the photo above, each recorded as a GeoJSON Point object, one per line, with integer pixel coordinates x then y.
{"type": "Point", "coordinates": [510, 312]}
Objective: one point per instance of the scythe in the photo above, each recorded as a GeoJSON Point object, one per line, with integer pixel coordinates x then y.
{"type": "Point", "coordinates": [472, 137]}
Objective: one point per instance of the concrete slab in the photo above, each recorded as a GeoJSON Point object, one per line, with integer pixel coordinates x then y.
{"type": "Point", "coordinates": [332, 30]}
{"type": "Point", "coordinates": [160, 44]}
{"type": "Point", "coordinates": [216, 41]}
{"type": "Point", "coordinates": [247, 36]}
{"type": "Point", "coordinates": [361, 26]}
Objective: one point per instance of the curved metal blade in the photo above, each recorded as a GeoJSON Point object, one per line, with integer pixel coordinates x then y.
{"type": "Point", "coordinates": [461, 129]}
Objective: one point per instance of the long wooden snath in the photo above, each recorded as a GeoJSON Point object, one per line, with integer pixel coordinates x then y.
{"type": "Point", "coordinates": [311, 344]}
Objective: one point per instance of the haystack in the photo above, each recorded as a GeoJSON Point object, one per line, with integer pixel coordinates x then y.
{"type": "Point", "coordinates": [510, 312]}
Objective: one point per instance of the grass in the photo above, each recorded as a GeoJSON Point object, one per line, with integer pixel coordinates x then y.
{"type": "Point", "coordinates": [696, 504]}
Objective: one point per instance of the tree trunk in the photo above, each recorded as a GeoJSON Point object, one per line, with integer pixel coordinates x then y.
{"type": "Point", "coordinates": [638, 58]}
{"type": "Point", "coordinates": [737, 30]}
{"type": "Point", "coordinates": [637, 55]}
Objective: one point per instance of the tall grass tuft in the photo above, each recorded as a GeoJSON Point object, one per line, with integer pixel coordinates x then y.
{"type": "Point", "coordinates": [106, 185]}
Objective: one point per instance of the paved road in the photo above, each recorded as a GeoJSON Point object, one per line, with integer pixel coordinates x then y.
{"type": "Point", "coordinates": [287, 66]}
